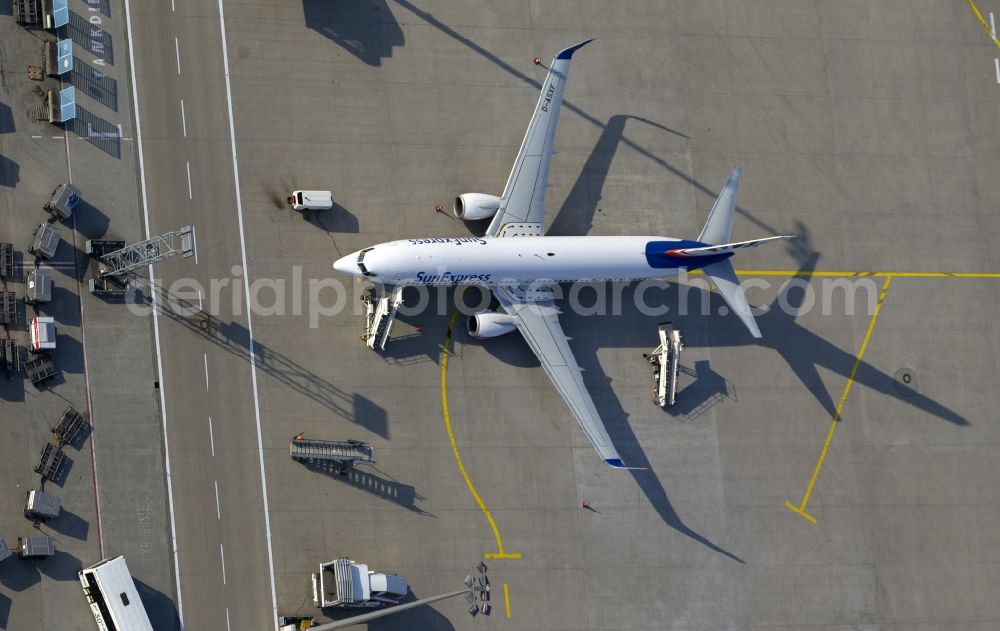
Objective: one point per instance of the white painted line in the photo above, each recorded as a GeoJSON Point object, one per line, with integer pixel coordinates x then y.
{"type": "Point", "coordinates": [59, 137]}
{"type": "Point", "coordinates": [184, 124]}
{"type": "Point", "coordinates": [993, 26]}
{"type": "Point", "coordinates": [194, 244]}
{"type": "Point", "coordinates": [218, 512]}
{"type": "Point", "coordinates": [156, 318]}
{"type": "Point", "coordinates": [205, 355]}
{"type": "Point", "coordinates": [222, 555]}
{"type": "Point", "coordinates": [228, 628]}
{"type": "Point", "coordinates": [177, 50]}
{"type": "Point", "coordinates": [996, 65]}
{"type": "Point", "coordinates": [36, 136]}
{"type": "Point", "coordinates": [190, 195]}
{"type": "Point", "coordinates": [246, 289]}
{"type": "Point", "coordinates": [200, 306]}
{"type": "Point", "coordinates": [120, 133]}
{"type": "Point", "coordinates": [172, 7]}
{"type": "Point", "coordinates": [211, 436]}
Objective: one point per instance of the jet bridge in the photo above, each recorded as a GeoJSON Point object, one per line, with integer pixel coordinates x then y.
{"type": "Point", "coordinates": [380, 314]}
{"type": "Point", "coordinates": [665, 362]}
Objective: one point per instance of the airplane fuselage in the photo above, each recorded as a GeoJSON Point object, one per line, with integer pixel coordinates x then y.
{"type": "Point", "coordinates": [489, 261]}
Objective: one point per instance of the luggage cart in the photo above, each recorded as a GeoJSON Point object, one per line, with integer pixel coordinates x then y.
{"type": "Point", "coordinates": [70, 426]}
{"type": "Point", "coordinates": [35, 546]}
{"type": "Point", "coordinates": [40, 368]}
{"type": "Point", "coordinates": [39, 286]}
{"type": "Point", "coordinates": [39, 506]}
{"type": "Point", "coordinates": [64, 200]}
{"type": "Point", "coordinates": [6, 261]}
{"type": "Point", "coordinates": [8, 308]}
{"type": "Point", "coordinates": [45, 240]}
{"type": "Point", "coordinates": [50, 462]}
{"type": "Point", "coordinates": [11, 355]}
{"type": "Point", "coordinates": [342, 455]}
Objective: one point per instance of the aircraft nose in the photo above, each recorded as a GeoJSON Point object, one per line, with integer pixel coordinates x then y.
{"type": "Point", "coordinates": [347, 264]}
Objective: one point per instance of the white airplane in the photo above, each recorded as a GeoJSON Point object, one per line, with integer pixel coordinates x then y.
{"type": "Point", "coordinates": [519, 265]}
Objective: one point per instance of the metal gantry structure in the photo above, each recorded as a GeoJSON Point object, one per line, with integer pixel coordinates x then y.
{"type": "Point", "coordinates": [128, 258]}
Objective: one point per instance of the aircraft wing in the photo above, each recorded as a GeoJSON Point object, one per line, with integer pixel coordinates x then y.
{"type": "Point", "coordinates": [537, 318]}
{"type": "Point", "coordinates": [522, 205]}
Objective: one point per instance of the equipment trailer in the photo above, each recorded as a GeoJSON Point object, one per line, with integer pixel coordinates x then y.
{"type": "Point", "coordinates": [340, 454]}
{"type": "Point", "coordinates": [380, 315]}
{"type": "Point", "coordinates": [665, 361]}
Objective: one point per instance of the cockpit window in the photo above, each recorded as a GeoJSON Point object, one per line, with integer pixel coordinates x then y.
{"type": "Point", "coordinates": [361, 265]}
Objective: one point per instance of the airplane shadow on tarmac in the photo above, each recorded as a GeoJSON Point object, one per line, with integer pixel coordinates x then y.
{"type": "Point", "coordinates": [802, 349]}
{"type": "Point", "coordinates": [425, 618]}
{"type": "Point", "coordinates": [234, 338]}
{"type": "Point", "coordinates": [368, 30]}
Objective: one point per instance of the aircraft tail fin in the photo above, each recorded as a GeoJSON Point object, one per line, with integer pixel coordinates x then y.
{"type": "Point", "coordinates": [719, 225]}
{"type": "Point", "coordinates": [717, 233]}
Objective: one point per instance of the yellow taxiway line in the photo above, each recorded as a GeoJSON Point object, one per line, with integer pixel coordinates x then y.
{"type": "Point", "coordinates": [982, 20]}
{"type": "Point", "coordinates": [801, 508]}
{"type": "Point", "coordinates": [506, 598]}
{"type": "Point", "coordinates": [500, 553]}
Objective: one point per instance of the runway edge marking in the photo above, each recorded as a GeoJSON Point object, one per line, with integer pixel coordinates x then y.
{"type": "Point", "coordinates": [801, 509]}
{"type": "Point", "coordinates": [500, 553]}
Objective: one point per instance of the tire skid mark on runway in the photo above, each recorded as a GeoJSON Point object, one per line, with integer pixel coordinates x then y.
{"type": "Point", "coordinates": [445, 351]}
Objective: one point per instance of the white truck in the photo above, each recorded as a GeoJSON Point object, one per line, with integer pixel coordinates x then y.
{"type": "Point", "coordinates": [311, 200]}
{"type": "Point", "coordinates": [43, 333]}
{"type": "Point", "coordinates": [113, 599]}
{"type": "Point", "coordinates": [350, 585]}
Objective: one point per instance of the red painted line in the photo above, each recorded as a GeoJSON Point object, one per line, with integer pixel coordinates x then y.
{"type": "Point", "coordinates": [86, 395]}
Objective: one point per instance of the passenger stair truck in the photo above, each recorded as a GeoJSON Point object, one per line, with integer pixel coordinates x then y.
{"type": "Point", "coordinates": [665, 360]}
{"type": "Point", "coordinates": [113, 599]}
{"type": "Point", "coordinates": [349, 585]}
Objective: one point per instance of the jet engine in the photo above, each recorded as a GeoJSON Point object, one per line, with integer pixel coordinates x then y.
{"type": "Point", "coordinates": [475, 206]}
{"type": "Point", "coordinates": [490, 324]}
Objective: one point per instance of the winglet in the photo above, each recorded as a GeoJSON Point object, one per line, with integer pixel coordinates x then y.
{"type": "Point", "coordinates": [567, 53]}
{"type": "Point", "coordinates": [618, 464]}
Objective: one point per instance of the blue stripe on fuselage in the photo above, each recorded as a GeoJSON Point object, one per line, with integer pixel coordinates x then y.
{"type": "Point", "coordinates": [657, 258]}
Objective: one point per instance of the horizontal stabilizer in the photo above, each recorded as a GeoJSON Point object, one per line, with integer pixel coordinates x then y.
{"type": "Point", "coordinates": [723, 248]}
{"type": "Point", "coordinates": [723, 276]}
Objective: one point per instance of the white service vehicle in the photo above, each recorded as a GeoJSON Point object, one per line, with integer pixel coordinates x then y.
{"type": "Point", "coordinates": [350, 585]}
{"type": "Point", "coordinates": [311, 200]}
{"type": "Point", "coordinates": [113, 599]}
{"type": "Point", "coordinates": [43, 333]}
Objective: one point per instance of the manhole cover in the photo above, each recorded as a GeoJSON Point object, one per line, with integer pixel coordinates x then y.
{"type": "Point", "coordinates": [905, 382]}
